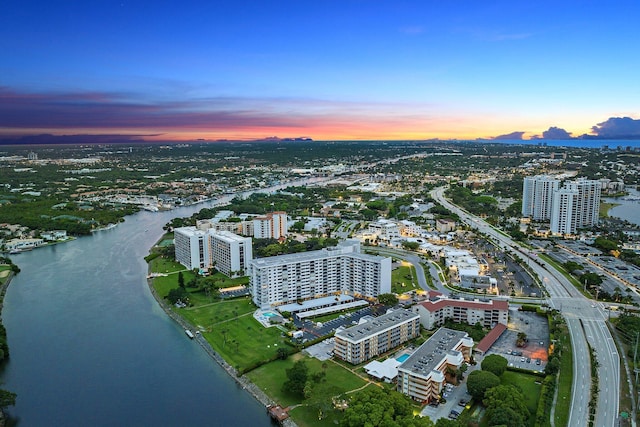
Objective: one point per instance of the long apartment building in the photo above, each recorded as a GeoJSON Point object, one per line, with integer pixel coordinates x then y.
{"type": "Point", "coordinates": [438, 308]}
{"type": "Point", "coordinates": [289, 278]}
{"type": "Point", "coordinates": [200, 249]}
{"type": "Point", "coordinates": [365, 341]}
{"type": "Point", "coordinates": [423, 375]}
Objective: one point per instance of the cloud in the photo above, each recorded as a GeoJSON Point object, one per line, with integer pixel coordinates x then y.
{"type": "Point", "coordinates": [556, 133]}
{"type": "Point", "coordinates": [29, 113]}
{"type": "Point", "coordinates": [618, 127]}
{"type": "Point", "coordinates": [119, 111]}
{"type": "Point", "coordinates": [512, 135]}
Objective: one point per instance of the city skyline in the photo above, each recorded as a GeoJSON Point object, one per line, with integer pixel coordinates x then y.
{"type": "Point", "coordinates": [330, 70]}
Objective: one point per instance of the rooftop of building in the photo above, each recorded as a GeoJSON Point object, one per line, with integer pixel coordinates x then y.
{"type": "Point", "coordinates": [493, 335]}
{"type": "Point", "coordinates": [336, 251]}
{"type": "Point", "coordinates": [228, 236]}
{"type": "Point", "coordinates": [373, 327]}
{"type": "Point", "coordinates": [430, 354]}
{"type": "Point", "coordinates": [437, 301]}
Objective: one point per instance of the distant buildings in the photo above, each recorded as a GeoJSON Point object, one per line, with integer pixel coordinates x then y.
{"type": "Point", "coordinates": [445, 225]}
{"type": "Point", "coordinates": [573, 206]}
{"type": "Point", "coordinates": [423, 375]}
{"type": "Point", "coordinates": [296, 277]}
{"type": "Point", "coordinates": [201, 249]}
{"type": "Point", "coordinates": [271, 226]}
{"type": "Point", "coordinates": [384, 229]}
{"type": "Point", "coordinates": [367, 340]}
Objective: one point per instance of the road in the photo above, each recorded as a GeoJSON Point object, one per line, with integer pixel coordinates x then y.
{"type": "Point", "coordinates": [414, 260]}
{"type": "Point", "coordinates": [585, 321]}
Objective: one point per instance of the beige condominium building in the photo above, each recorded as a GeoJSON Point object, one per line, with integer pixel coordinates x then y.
{"type": "Point", "coordinates": [423, 375]}
{"type": "Point", "coordinates": [290, 278]}
{"type": "Point", "coordinates": [365, 341]}
{"type": "Point", "coordinates": [438, 308]}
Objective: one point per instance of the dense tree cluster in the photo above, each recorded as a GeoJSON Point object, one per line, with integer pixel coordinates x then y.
{"type": "Point", "coordinates": [374, 407]}
{"type": "Point", "coordinates": [495, 364]}
{"type": "Point", "coordinates": [506, 406]}
{"type": "Point", "coordinates": [478, 382]}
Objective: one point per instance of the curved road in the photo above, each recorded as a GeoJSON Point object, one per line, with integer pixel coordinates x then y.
{"type": "Point", "coordinates": [586, 323]}
{"type": "Point", "coordinates": [413, 259]}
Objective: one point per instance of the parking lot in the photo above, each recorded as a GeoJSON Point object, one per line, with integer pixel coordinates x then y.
{"type": "Point", "coordinates": [313, 330]}
{"type": "Point", "coordinates": [456, 398]}
{"type": "Point", "coordinates": [322, 350]}
{"type": "Point", "coordinates": [526, 357]}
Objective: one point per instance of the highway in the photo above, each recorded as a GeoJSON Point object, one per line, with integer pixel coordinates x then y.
{"type": "Point", "coordinates": [586, 324]}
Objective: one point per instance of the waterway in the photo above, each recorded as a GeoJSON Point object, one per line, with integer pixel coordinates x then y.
{"type": "Point", "coordinates": [627, 209]}
{"type": "Point", "coordinates": [90, 346]}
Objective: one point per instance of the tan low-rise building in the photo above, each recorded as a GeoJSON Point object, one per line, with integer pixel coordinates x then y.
{"type": "Point", "coordinates": [423, 375]}
{"type": "Point", "coordinates": [367, 340]}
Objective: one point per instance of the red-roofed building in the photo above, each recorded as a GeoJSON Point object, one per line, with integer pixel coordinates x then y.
{"type": "Point", "coordinates": [435, 311]}
{"type": "Point", "coordinates": [485, 344]}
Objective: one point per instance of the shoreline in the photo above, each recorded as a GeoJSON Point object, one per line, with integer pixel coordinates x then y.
{"type": "Point", "coordinates": [242, 381]}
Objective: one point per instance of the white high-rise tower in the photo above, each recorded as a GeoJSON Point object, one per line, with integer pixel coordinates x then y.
{"type": "Point", "coordinates": [576, 205]}
{"type": "Point", "coordinates": [537, 196]}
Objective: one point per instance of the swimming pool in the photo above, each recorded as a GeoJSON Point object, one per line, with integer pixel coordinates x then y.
{"type": "Point", "coordinates": [269, 314]}
{"type": "Point", "coordinates": [402, 358]}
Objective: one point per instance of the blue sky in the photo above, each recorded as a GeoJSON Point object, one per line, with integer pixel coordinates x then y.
{"type": "Point", "coordinates": [327, 70]}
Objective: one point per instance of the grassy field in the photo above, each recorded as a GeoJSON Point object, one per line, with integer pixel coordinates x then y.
{"type": "Point", "coordinates": [563, 404]}
{"type": "Point", "coordinates": [605, 207]}
{"type": "Point", "coordinates": [337, 381]}
{"type": "Point", "coordinates": [4, 272]}
{"type": "Point", "coordinates": [404, 279]}
{"type": "Point", "coordinates": [228, 325]}
{"type": "Point", "coordinates": [530, 390]}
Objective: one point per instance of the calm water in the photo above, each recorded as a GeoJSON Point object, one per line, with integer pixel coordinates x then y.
{"type": "Point", "coordinates": [90, 346]}
{"type": "Point", "coordinates": [628, 209]}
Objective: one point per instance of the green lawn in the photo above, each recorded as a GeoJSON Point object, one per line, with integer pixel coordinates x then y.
{"type": "Point", "coordinates": [230, 328]}
{"type": "Point", "coordinates": [4, 272]}
{"type": "Point", "coordinates": [164, 265]}
{"type": "Point", "coordinates": [338, 380]}
{"type": "Point", "coordinates": [565, 380]}
{"type": "Point", "coordinates": [427, 275]}
{"type": "Point", "coordinates": [530, 390]}
{"type": "Point", "coordinates": [404, 279]}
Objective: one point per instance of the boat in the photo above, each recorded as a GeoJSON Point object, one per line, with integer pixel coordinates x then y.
{"type": "Point", "coordinates": [189, 333]}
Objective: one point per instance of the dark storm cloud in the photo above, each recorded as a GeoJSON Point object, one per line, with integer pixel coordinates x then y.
{"type": "Point", "coordinates": [617, 127]}
{"type": "Point", "coordinates": [512, 135]}
{"type": "Point", "coordinates": [556, 133]}
{"type": "Point", "coordinates": [118, 111]}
